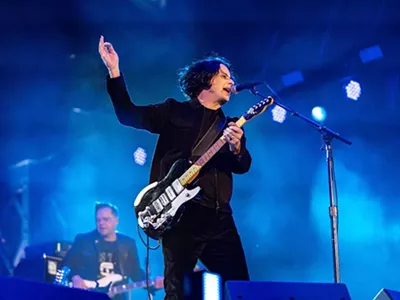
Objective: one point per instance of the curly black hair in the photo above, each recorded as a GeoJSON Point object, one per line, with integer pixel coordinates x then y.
{"type": "Point", "coordinates": [197, 76]}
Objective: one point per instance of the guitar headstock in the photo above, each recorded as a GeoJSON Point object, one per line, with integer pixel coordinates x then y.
{"type": "Point", "coordinates": [61, 277]}
{"type": "Point", "coordinates": [258, 108]}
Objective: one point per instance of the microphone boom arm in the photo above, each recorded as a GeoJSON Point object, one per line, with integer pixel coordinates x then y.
{"type": "Point", "coordinates": [325, 131]}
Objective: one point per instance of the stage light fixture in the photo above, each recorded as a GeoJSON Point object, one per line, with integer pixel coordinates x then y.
{"type": "Point", "coordinates": [371, 53]}
{"type": "Point", "coordinates": [318, 113]}
{"type": "Point", "coordinates": [292, 78]}
{"type": "Point", "coordinates": [140, 156]}
{"type": "Point", "coordinates": [278, 114]}
{"type": "Point", "coordinates": [353, 90]}
{"type": "Point", "coordinates": [211, 286]}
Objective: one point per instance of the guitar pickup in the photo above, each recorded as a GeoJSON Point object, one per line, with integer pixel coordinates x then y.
{"type": "Point", "coordinates": [158, 206]}
{"type": "Point", "coordinates": [170, 193]}
{"type": "Point", "coordinates": [178, 188]}
{"type": "Point", "coordinates": [164, 199]}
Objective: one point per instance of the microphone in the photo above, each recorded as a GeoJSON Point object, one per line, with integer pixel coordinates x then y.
{"type": "Point", "coordinates": [245, 86]}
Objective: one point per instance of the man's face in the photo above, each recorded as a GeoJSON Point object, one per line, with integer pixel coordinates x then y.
{"type": "Point", "coordinates": [106, 221]}
{"type": "Point", "coordinates": [221, 84]}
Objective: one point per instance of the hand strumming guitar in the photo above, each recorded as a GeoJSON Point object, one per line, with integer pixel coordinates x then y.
{"type": "Point", "coordinates": [77, 282]}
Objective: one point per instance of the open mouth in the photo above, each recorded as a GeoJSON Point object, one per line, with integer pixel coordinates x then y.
{"type": "Point", "coordinates": [228, 90]}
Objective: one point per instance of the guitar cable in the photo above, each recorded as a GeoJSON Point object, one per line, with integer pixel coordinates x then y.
{"type": "Point", "coordinates": [148, 248]}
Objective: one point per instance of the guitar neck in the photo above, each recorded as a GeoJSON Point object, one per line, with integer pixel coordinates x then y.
{"type": "Point", "coordinates": [194, 170]}
{"type": "Point", "coordinates": [130, 286]}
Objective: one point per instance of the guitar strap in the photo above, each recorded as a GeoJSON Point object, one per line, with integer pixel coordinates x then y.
{"type": "Point", "coordinates": [209, 137]}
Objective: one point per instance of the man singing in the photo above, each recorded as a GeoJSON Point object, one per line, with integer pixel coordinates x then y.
{"type": "Point", "coordinates": [97, 256]}
{"type": "Point", "coordinates": [206, 230]}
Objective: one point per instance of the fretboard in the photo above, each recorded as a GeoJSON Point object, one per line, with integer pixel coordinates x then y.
{"type": "Point", "coordinates": [194, 170]}
{"type": "Point", "coordinates": [130, 286]}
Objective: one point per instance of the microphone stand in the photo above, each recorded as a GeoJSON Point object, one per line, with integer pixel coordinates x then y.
{"type": "Point", "coordinates": [327, 136]}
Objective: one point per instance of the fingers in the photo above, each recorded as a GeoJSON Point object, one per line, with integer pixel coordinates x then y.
{"type": "Point", "coordinates": [102, 48]}
{"type": "Point", "coordinates": [109, 47]}
{"type": "Point", "coordinates": [231, 137]}
{"type": "Point", "coordinates": [235, 130]}
{"type": "Point", "coordinates": [105, 47]}
{"type": "Point", "coordinates": [101, 41]}
{"type": "Point", "coordinates": [233, 134]}
{"type": "Point", "coordinates": [234, 127]}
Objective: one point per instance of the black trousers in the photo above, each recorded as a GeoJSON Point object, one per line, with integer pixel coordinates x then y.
{"type": "Point", "coordinates": [203, 234]}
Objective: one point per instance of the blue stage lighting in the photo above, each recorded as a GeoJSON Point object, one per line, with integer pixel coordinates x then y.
{"type": "Point", "coordinates": [371, 53]}
{"type": "Point", "coordinates": [318, 114]}
{"type": "Point", "coordinates": [211, 286]}
{"type": "Point", "coordinates": [292, 78]}
{"type": "Point", "coordinates": [278, 114]}
{"type": "Point", "coordinates": [140, 156]}
{"type": "Point", "coordinates": [353, 90]}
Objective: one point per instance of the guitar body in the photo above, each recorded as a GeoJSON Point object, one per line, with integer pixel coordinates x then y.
{"type": "Point", "coordinates": [109, 284]}
{"type": "Point", "coordinates": [157, 206]}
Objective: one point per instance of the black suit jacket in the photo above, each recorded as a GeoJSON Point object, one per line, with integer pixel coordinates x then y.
{"type": "Point", "coordinates": [83, 257]}
{"type": "Point", "coordinates": [178, 125]}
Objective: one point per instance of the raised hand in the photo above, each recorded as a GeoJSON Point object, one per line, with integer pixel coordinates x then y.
{"type": "Point", "coordinates": [109, 57]}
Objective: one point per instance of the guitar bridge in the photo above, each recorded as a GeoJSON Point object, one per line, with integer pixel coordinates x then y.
{"type": "Point", "coordinates": [146, 217]}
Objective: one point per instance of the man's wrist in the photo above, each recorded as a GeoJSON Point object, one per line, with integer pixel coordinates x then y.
{"type": "Point", "coordinates": [235, 149]}
{"type": "Point", "coordinates": [114, 73]}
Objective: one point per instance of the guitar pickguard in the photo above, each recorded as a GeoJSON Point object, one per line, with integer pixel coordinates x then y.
{"type": "Point", "coordinates": [146, 219]}
{"type": "Point", "coordinates": [157, 204]}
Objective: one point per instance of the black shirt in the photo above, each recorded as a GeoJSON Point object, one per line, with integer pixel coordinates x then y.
{"type": "Point", "coordinates": [178, 125]}
{"type": "Point", "coordinates": [209, 116]}
{"type": "Point", "coordinates": [109, 264]}
{"type": "Point", "coordinates": [108, 258]}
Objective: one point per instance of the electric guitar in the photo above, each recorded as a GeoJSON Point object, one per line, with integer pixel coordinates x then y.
{"type": "Point", "coordinates": [108, 283]}
{"type": "Point", "coordinates": [156, 206]}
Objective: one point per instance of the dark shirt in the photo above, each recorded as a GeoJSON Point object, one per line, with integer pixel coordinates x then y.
{"type": "Point", "coordinates": [108, 258]}
{"type": "Point", "coordinates": [179, 126]}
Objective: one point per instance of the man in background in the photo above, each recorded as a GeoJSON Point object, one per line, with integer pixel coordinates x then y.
{"type": "Point", "coordinates": [104, 255]}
